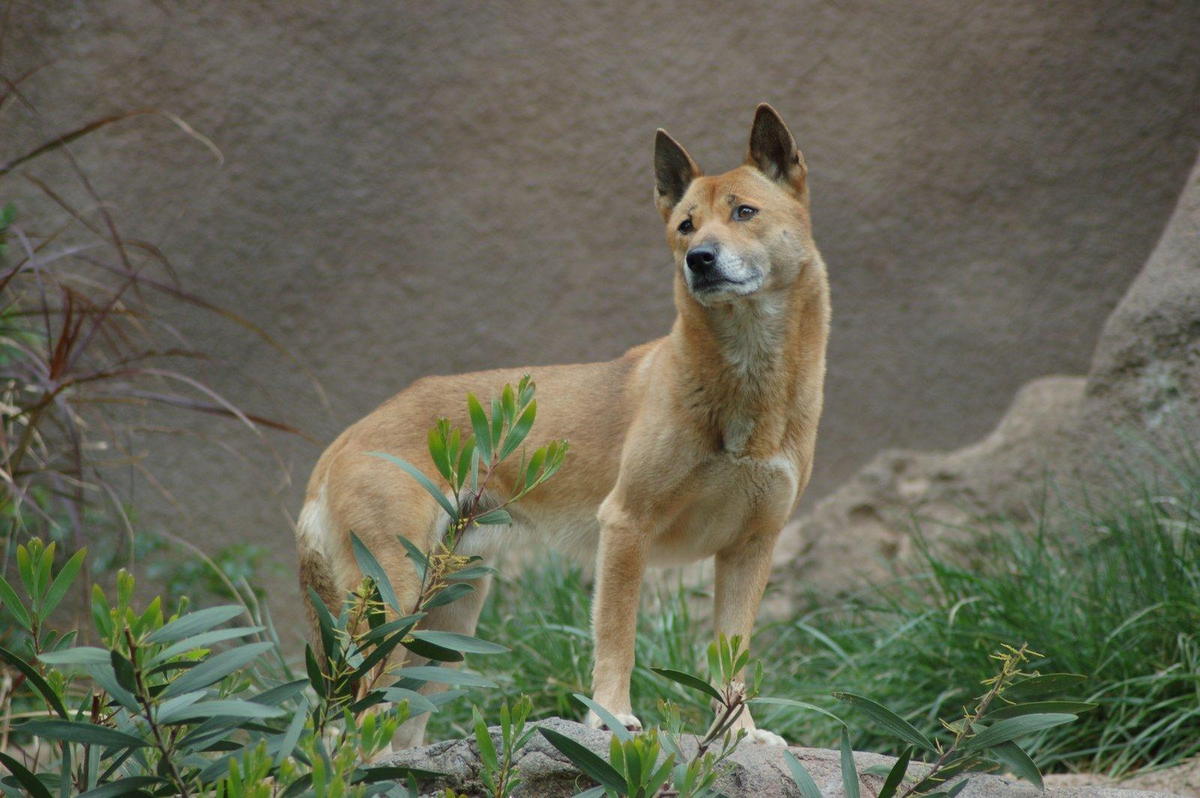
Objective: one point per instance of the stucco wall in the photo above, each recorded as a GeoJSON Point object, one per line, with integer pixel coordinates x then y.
{"type": "Point", "coordinates": [416, 188]}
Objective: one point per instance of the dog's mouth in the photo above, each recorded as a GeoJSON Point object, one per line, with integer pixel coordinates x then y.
{"type": "Point", "coordinates": [709, 285]}
{"type": "Point", "coordinates": [714, 288]}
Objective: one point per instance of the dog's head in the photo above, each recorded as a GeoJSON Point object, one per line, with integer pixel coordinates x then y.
{"type": "Point", "coordinates": [743, 232]}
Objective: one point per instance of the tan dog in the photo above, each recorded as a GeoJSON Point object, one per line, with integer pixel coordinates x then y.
{"type": "Point", "coordinates": [696, 445]}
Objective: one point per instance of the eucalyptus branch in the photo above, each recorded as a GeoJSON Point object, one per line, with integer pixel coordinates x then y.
{"type": "Point", "coordinates": [1012, 665]}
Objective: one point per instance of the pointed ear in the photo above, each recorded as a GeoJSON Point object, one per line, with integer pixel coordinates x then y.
{"type": "Point", "coordinates": [773, 150]}
{"type": "Point", "coordinates": [674, 171]}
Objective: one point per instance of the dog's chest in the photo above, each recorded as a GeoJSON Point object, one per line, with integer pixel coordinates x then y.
{"type": "Point", "coordinates": [733, 495]}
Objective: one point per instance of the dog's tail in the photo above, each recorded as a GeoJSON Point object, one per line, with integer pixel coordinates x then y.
{"type": "Point", "coordinates": [314, 532]}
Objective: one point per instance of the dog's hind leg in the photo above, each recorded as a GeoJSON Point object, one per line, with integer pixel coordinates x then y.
{"type": "Point", "coordinates": [459, 616]}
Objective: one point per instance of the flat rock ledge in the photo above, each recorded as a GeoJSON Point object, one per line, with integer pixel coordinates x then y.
{"type": "Point", "coordinates": [760, 772]}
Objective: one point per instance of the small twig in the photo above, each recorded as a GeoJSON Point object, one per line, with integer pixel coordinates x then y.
{"type": "Point", "coordinates": [143, 697]}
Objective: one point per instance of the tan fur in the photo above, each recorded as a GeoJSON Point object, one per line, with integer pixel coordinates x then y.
{"type": "Point", "coordinates": [696, 445]}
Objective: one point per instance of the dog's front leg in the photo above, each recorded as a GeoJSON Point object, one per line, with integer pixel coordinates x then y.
{"type": "Point", "coordinates": [742, 573]}
{"type": "Point", "coordinates": [620, 563]}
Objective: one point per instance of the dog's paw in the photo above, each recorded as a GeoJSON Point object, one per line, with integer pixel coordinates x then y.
{"type": "Point", "coordinates": [764, 737]}
{"type": "Point", "coordinates": [630, 722]}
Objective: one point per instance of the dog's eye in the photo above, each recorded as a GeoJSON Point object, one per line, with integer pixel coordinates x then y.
{"type": "Point", "coordinates": [686, 226]}
{"type": "Point", "coordinates": [744, 212]}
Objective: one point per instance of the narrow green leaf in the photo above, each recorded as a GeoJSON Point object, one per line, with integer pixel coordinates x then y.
{"type": "Point", "coordinates": [292, 736]}
{"type": "Point", "coordinates": [223, 708]}
{"type": "Point", "coordinates": [380, 774]}
{"type": "Point", "coordinates": [315, 677]}
{"type": "Point", "coordinates": [101, 614]}
{"type": "Point", "coordinates": [9, 599]}
{"type": "Point", "coordinates": [888, 719]}
{"type": "Point", "coordinates": [508, 401]}
{"type": "Point", "coordinates": [609, 719]}
{"type": "Point", "coordinates": [439, 454]}
{"type": "Point", "coordinates": [123, 669]}
{"type": "Point", "coordinates": [371, 567]}
{"type": "Point", "coordinates": [457, 642]}
{"type": "Point", "coordinates": [80, 655]}
{"type": "Point", "coordinates": [464, 462]}
{"type": "Point", "coordinates": [131, 785]}
{"type": "Point", "coordinates": [64, 580]}
{"type": "Point", "coordinates": [419, 558]}
{"type": "Point", "coordinates": [202, 640]}
{"type": "Point", "coordinates": [849, 770]}
{"type": "Point", "coordinates": [896, 777]}
{"type": "Point", "coordinates": [431, 651]}
{"type": "Point", "coordinates": [1018, 762]}
{"type": "Point", "coordinates": [474, 572]}
{"type": "Point", "coordinates": [401, 624]}
{"type": "Point", "coordinates": [495, 518]}
{"type": "Point", "coordinates": [688, 680]}
{"type": "Point", "coordinates": [480, 426]}
{"type": "Point", "coordinates": [449, 594]}
{"type": "Point", "coordinates": [536, 461]}
{"type": "Point", "coordinates": [103, 675]}
{"type": "Point", "coordinates": [483, 739]}
{"type": "Point", "coordinates": [1011, 728]}
{"type": "Point", "coordinates": [35, 679]}
{"type": "Point", "coordinates": [425, 482]}
{"type": "Point", "coordinates": [22, 774]}
{"type": "Point", "coordinates": [1041, 708]}
{"type": "Point", "coordinates": [25, 569]}
{"type": "Point", "coordinates": [587, 762]}
{"type": "Point", "coordinates": [327, 627]}
{"type": "Point", "coordinates": [280, 693]}
{"type": "Point", "coordinates": [85, 733]}
{"type": "Point", "coordinates": [497, 423]}
{"type": "Point", "coordinates": [381, 651]}
{"type": "Point", "coordinates": [194, 623]}
{"type": "Point", "coordinates": [800, 775]}
{"type": "Point", "coordinates": [659, 777]}
{"type": "Point", "coordinates": [450, 676]}
{"type": "Point", "coordinates": [216, 668]}
{"type": "Point", "coordinates": [519, 430]}
{"type": "Point", "coordinates": [417, 703]}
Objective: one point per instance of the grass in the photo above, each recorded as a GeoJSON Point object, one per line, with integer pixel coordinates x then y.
{"type": "Point", "coordinates": [1112, 592]}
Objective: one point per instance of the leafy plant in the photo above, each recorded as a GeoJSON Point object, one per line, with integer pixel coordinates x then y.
{"type": "Point", "coordinates": [92, 364]}
{"type": "Point", "coordinates": [360, 666]}
{"type": "Point", "coordinates": [633, 768]}
{"type": "Point", "coordinates": [983, 738]}
{"type": "Point", "coordinates": [499, 773]}
{"type": "Point", "coordinates": [179, 703]}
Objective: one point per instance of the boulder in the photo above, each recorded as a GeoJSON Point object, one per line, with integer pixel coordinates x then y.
{"type": "Point", "coordinates": [1140, 396]}
{"type": "Point", "coordinates": [760, 771]}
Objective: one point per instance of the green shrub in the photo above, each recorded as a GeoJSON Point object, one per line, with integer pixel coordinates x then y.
{"type": "Point", "coordinates": [1111, 591]}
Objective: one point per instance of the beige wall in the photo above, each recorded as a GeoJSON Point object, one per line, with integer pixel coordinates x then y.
{"type": "Point", "coordinates": [412, 188]}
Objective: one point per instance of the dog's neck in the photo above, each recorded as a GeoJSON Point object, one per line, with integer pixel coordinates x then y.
{"type": "Point", "coordinates": [744, 360]}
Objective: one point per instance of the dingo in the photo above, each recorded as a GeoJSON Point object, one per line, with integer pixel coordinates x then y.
{"type": "Point", "coordinates": [696, 445]}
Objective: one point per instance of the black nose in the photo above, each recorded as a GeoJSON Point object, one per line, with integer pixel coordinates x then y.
{"type": "Point", "coordinates": [702, 258]}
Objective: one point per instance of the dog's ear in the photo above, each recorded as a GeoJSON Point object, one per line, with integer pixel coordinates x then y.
{"type": "Point", "coordinates": [773, 150]}
{"type": "Point", "coordinates": [674, 171]}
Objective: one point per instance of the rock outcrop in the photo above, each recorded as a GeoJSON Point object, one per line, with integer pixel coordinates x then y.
{"type": "Point", "coordinates": [1141, 394]}
{"type": "Point", "coordinates": [760, 771]}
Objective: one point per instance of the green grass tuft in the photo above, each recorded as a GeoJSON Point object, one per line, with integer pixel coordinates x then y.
{"type": "Point", "coordinates": [1113, 593]}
